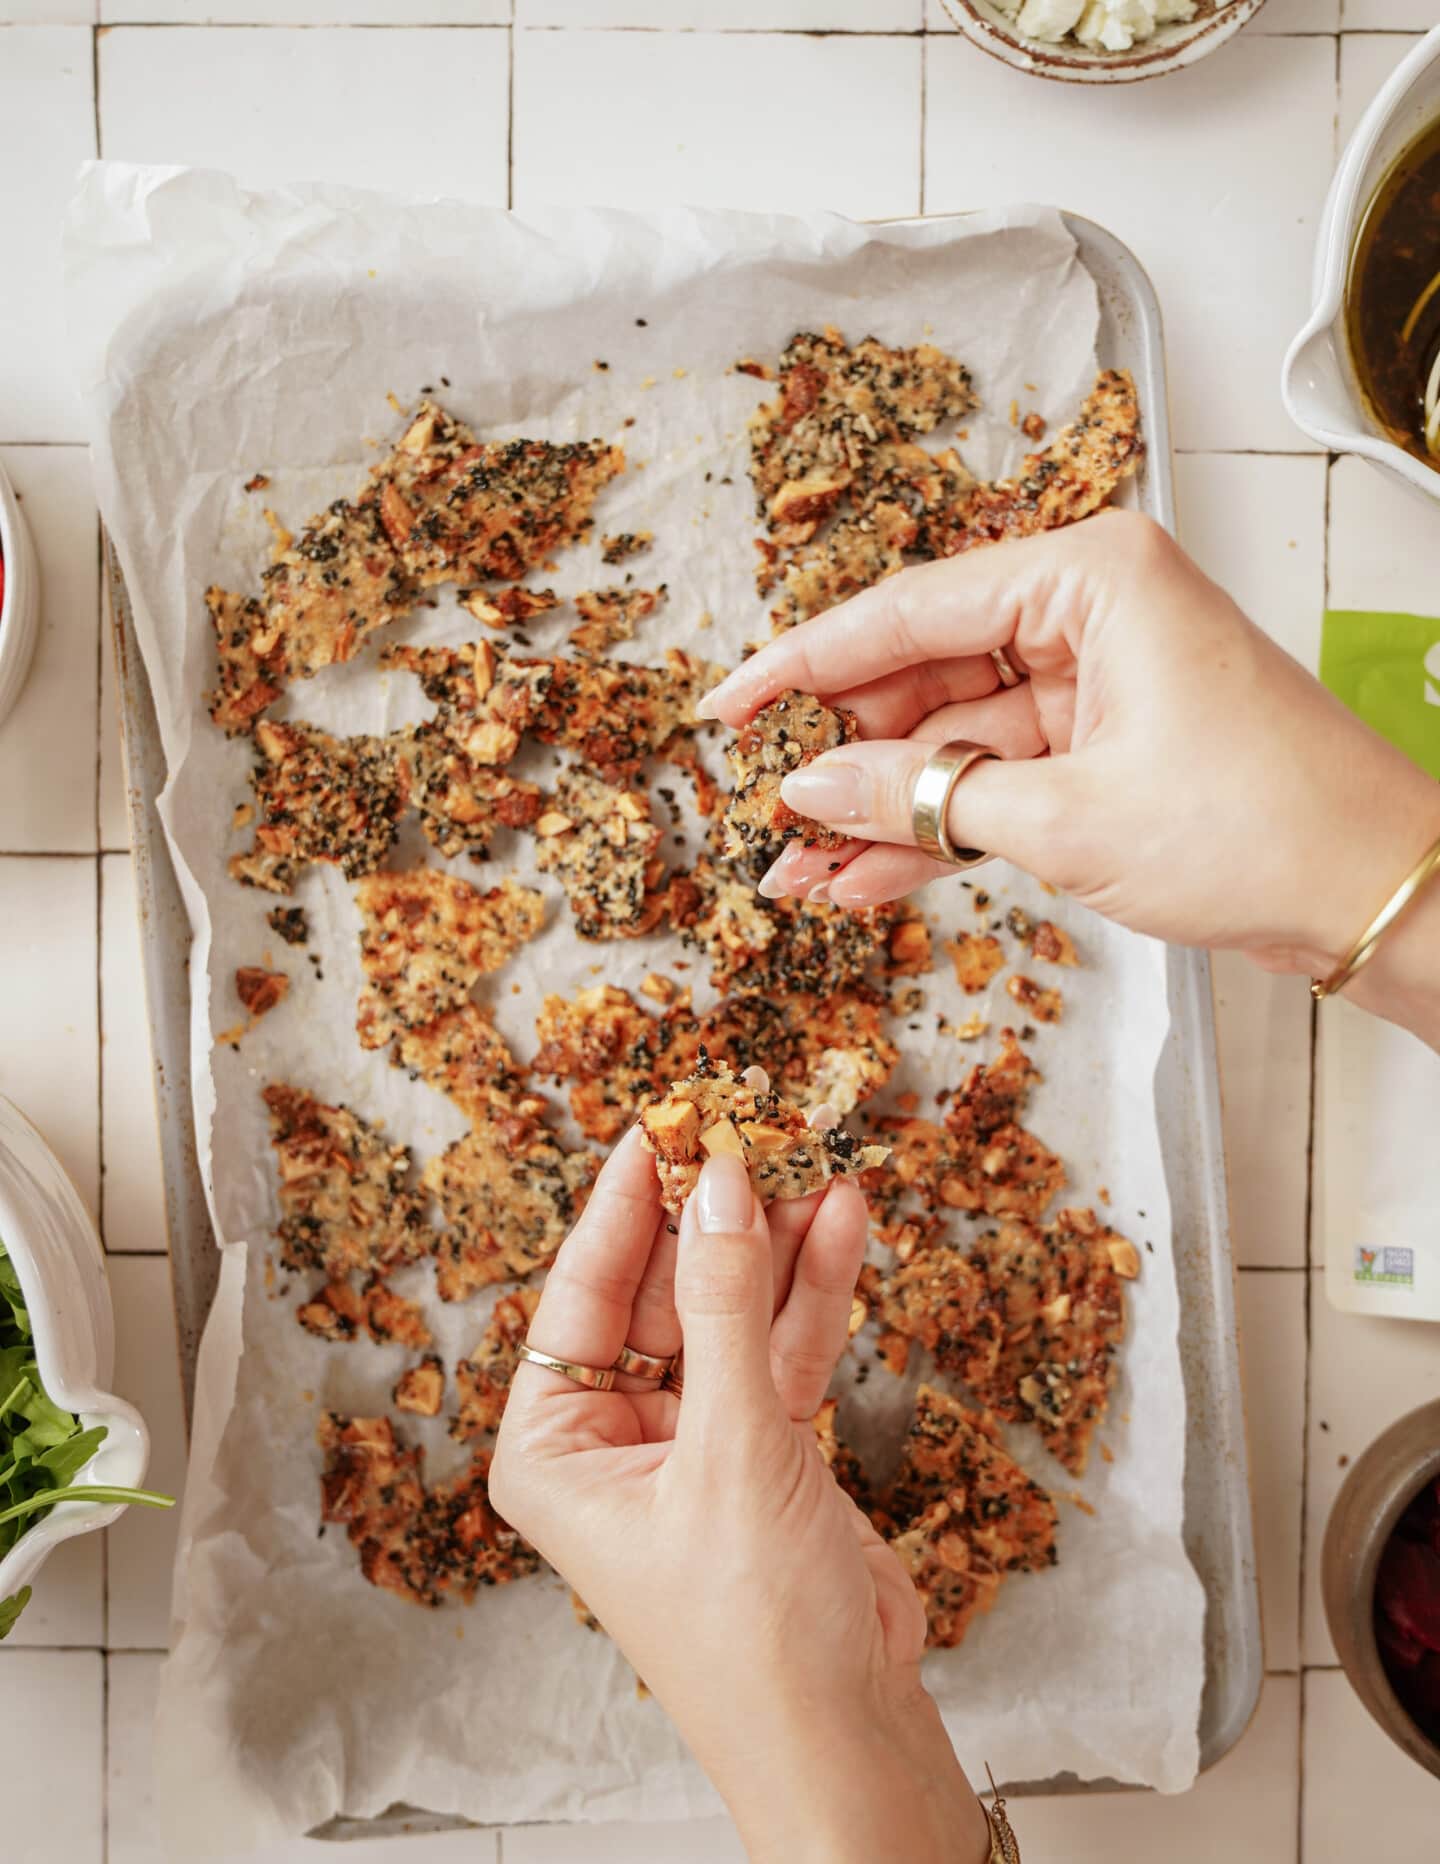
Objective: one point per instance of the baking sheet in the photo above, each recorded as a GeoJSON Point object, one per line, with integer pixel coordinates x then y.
{"type": "Point", "coordinates": [190, 470]}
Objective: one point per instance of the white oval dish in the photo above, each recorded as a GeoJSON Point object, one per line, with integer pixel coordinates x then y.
{"type": "Point", "coordinates": [1318, 382]}
{"type": "Point", "coordinates": [1171, 47]}
{"type": "Point", "coordinates": [52, 1241]}
{"type": "Point", "coordinates": [20, 607]}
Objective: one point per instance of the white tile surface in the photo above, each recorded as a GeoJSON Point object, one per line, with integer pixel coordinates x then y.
{"type": "Point", "coordinates": [1388, 15]}
{"type": "Point", "coordinates": [134, 1836]}
{"type": "Point", "coordinates": [47, 12]}
{"type": "Point", "coordinates": [1366, 60]}
{"type": "Point", "coordinates": [141, 1550]}
{"type": "Point", "coordinates": [50, 1054]}
{"type": "Point", "coordinates": [308, 12]}
{"type": "Point", "coordinates": [1257, 525]}
{"type": "Point", "coordinates": [1364, 1373]}
{"type": "Point", "coordinates": [1262, 1026]}
{"type": "Point", "coordinates": [1187, 172]}
{"type": "Point", "coordinates": [1297, 16]}
{"type": "Point", "coordinates": [68, 1603]}
{"type": "Point", "coordinates": [727, 15]}
{"type": "Point", "coordinates": [47, 128]}
{"type": "Point", "coordinates": [274, 105]}
{"type": "Point", "coordinates": [52, 1705]}
{"type": "Point", "coordinates": [1364, 1798]}
{"type": "Point", "coordinates": [47, 744]}
{"type": "Point", "coordinates": [1272, 1353]}
{"type": "Point", "coordinates": [705, 1841]}
{"type": "Point", "coordinates": [1243, 1809]}
{"type": "Point", "coordinates": [1384, 542]}
{"type": "Point", "coordinates": [672, 100]}
{"type": "Point", "coordinates": [133, 1201]}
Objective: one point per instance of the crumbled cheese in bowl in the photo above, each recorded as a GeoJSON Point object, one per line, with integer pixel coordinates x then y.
{"type": "Point", "coordinates": [1101, 25]}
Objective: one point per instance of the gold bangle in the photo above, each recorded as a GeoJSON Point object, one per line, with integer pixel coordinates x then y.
{"type": "Point", "coordinates": [1363, 950]}
{"type": "Point", "coordinates": [1004, 1847]}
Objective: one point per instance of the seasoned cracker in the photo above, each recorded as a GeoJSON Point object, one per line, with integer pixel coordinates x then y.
{"type": "Point", "coordinates": [621, 544]}
{"type": "Point", "coordinates": [321, 798]}
{"type": "Point", "coordinates": [1075, 475]}
{"type": "Point", "coordinates": [1045, 1006]}
{"type": "Point", "coordinates": [426, 939]}
{"type": "Point", "coordinates": [778, 946]}
{"type": "Point", "coordinates": [460, 803]}
{"type": "Point", "coordinates": [509, 1192]}
{"type": "Point", "coordinates": [965, 1515]}
{"type": "Point", "coordinates": [716, 1111]}
{"type": "Point", "coordinates": [420, 1389]}
{"type": "Point", "coordinates": [941, 1300]}
{"type": "Point", "coordinates": [260, 990]}
{"type": "Point", "coordinates": [783, 737]}
{"type": "Point", "coordinates": [344, 1203]}
{"type": "Point", "coordinates": [613, 715]}
{"type": "Point", "coordinates": [1058, 1293]}
{"type": "Point", "coordinates": [483, 1380]}
{"type": "Point", "coordinates": [608, 616]}
{"type": "Point", "coordinates": [457, 509]}
{"type": "Point", "coordinates": [462, 1055]}
{"type": "Point", "coordinates": [839, 1458]}
{"type": "Point", "coordinates": [976, 957]}
{"type": "Point", "coordinates": [615, 1054]}
{"type": "Point", "coordinates": [599, 842]}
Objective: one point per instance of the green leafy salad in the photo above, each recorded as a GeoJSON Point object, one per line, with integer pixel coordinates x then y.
{"type": "Point", "coordinates": [42, 1448]}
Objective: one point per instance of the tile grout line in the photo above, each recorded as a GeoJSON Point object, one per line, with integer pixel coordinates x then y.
{"type": "Point", "coordinates": [105, 1755]}
{"type": "Point", "coordinates": [924, 107]}
{"type": "Point", "coordinates": [510, 116]}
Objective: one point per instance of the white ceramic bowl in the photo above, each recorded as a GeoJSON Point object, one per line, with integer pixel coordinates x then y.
{"type": "Point", "coordinates": [1322, 395]}
{"type": "Point", "coordinates": [51, 1240]}
{"type": "Point", "coordinates": [1170, 48]}
{"type": "Point", "coordinates": [20, 609]}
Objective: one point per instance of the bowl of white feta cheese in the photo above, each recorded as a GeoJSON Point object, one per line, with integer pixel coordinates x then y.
{"type": "Point", "coordinates": [1101, 41]}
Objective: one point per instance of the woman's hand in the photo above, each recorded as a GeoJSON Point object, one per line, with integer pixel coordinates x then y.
{"type": "Point", "coordinates": [1164, 761]}
{"type": "Point", "coordinates": [752, 1596]}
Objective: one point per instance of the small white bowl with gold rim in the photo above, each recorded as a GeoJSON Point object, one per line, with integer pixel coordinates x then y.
{"type": "Point", "coordinates": [1170, 46]}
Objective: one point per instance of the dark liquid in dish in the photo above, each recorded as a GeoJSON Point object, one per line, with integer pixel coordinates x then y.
{"type": "Point", "coordinates": [1394, 336]}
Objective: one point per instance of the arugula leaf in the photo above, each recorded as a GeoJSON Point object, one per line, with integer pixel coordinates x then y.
{"type": "Point", "coordinates": [10, 1610]}
{"type": "Point", "coordinates": [43, 1447]}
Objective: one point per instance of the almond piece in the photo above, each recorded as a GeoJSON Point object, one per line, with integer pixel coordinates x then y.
{"type": "Point", "coordinates": [722, 1137]}
{"type": "Point", "coordinates": [632, 806]}
{"type": "Point", "coordinates": [764, 1138]}
{"type": "Point", "coordinates": [1124, 1258]}
{"type": "Point", "coordinates": [552, 823]}
{"type": "Point", "coordinates": [675, 1123]}
{"type": "Point", "coordinates": [1057, 1312]}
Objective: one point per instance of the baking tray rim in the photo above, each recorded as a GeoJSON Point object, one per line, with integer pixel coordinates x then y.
{"type": "Point", "coordinates": [1130, 322]}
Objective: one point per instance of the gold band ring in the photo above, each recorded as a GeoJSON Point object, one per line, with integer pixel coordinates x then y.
{"type": "Point", "coordinates": [1008, 675]}
{"type": "Point", "coordinates": [594, 1378]}
{"type": "Point", "coordinates": [931, 802]}
{"type": "Point", "coordinates": [644, 1365]}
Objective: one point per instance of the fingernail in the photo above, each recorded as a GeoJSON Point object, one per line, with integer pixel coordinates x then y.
{"type": "Point", "coordinates": [772, 885]}
{"type": "Point", "coordinates": [705, 706]}
{"type": "Point", "coordinates": [820, 895]}
{"type": "Point", "coordinates": [829, 792]}
{"type": "Point", "coordinates": [724, 1202]}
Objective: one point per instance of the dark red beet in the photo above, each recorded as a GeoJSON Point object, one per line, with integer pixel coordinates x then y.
{"type": "Point", "coordinates": [1407, 1590]}
{"type": "Point", "coordinates": [1398, 1650]}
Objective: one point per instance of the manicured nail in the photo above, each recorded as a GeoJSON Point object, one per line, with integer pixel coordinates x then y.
{"type": "Point", "coordinates": [772, 885]}
{"type": "Point", "coordinates": [820, 895]}
{"type": "Point", "coordinates": [829, 792]}
{"type": "Point", "coordinates": [724, 1202]}
{"type": "Point", "coordinates": [705, 706]}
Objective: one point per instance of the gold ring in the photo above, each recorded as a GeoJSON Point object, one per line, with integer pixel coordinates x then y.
{"type": "Point", "coordinates": [594, 1378]}
{"type": "Point", "coordinates": [931, 802]}
{"type": "Point", "coordinates": [1008, 675]}
{"type": "Point", "coordinates": [644, 1365]}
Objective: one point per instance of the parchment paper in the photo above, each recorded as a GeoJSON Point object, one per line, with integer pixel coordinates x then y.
{"type": "Point", "coordinates": [222, 333]}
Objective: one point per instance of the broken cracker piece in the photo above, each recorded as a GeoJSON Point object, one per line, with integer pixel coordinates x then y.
{"type": "Point", "coordinates": [717, 1111]}
{"type": "Point", "coordinates": [782, 738]}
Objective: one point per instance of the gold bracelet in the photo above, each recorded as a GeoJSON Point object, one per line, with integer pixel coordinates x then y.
{"type": "Point", "coordinates": [1363, 950]}
{"type": "Point", "coordinates": [1004, 1847]}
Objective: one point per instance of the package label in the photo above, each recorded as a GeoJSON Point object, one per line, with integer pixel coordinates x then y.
{"type": "Point", "coordinates": [1386, 668]}
{"type": "Point", "coordinates": [1393, 1266]}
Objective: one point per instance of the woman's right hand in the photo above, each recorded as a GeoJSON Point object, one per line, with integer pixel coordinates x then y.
{"type": "Point", "coordinates": [1164, 761]}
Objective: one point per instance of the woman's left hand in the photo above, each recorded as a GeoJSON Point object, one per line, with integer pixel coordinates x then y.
{"type": "Point", "coordinates": [752, 1596]}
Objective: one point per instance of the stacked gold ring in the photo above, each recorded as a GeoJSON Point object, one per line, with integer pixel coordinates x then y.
{"type": "Point", "coordinates": [593, 1378]}
{"type": "Point", "coordinates": [645, 1365]}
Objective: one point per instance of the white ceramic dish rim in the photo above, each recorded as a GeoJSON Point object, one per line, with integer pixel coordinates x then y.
{"type": "Point", "coordinates": [20, 606]}
{"type": "Point", "coordinates": [51, 1239]}
{"type": "Point", "coordinates": [1172, 47]}
{"type": "Point", "coordinates": [1343, 205]}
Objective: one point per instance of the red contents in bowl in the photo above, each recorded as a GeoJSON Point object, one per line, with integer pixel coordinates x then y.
{"type": "Point", "coordinates": [1407, 1609]}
